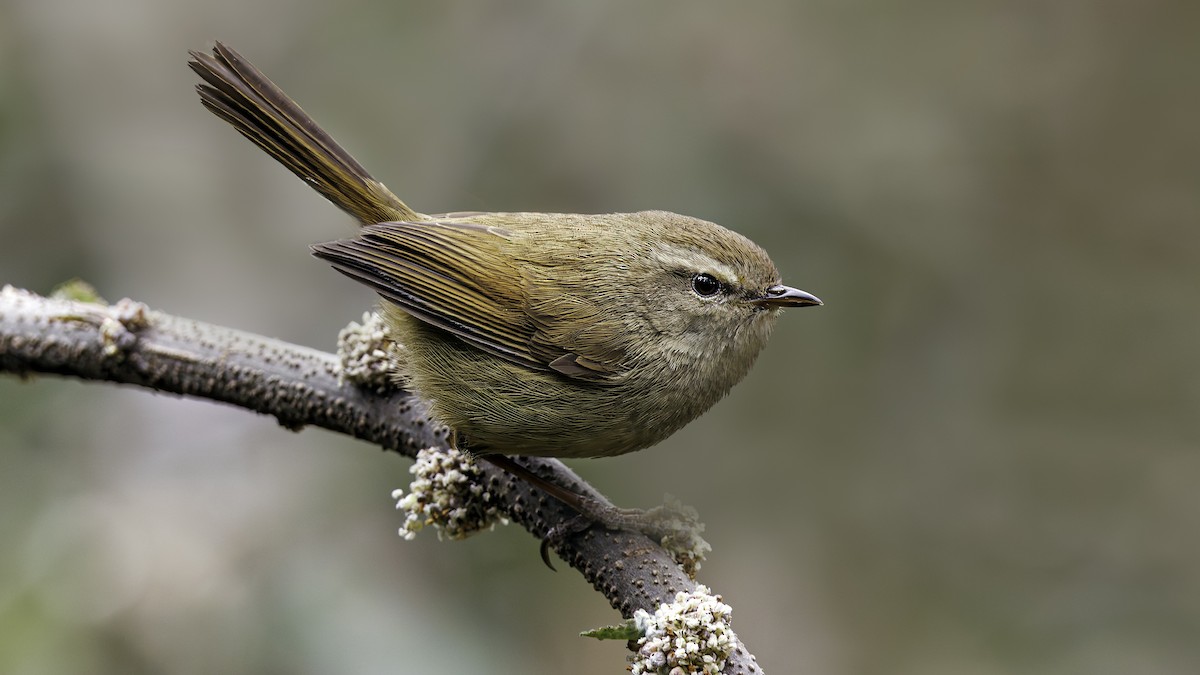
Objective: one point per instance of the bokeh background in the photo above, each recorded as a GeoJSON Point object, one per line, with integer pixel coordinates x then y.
{"type": "Point", "coordinates": [981, 456]}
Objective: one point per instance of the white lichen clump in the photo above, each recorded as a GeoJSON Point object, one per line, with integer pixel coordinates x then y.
{"type": "Point", "coordinates": [447, 493]}
{"type": "Point", "coordinates": [678, 528]}
{"type": "Point", "coordinates": [369, 356]}
{"type": "Point", "coordinates": [690, 635]}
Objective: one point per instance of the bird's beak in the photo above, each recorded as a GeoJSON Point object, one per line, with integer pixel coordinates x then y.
{"type": "Point", "coordinates": [786, 296]}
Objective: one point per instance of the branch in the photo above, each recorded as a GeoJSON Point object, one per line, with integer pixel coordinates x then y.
{"type": "Point", "coordinates": [127, 343]}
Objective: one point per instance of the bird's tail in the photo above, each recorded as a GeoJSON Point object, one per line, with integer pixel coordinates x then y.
{"type": "Point", "coordinates": [240, 94]}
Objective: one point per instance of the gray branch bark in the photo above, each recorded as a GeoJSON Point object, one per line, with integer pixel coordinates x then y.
{"type": "Point", "coordinates": [126, 343]}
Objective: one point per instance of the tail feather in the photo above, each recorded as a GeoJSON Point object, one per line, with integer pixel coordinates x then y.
{"type": "Point", "coordinates": [240, 94]}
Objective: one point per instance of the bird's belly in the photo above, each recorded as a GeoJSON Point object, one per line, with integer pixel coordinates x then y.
{"type": "Point", "coordinates": [543, 416]}
{"type": "Point", "coordinates": [497, 406]}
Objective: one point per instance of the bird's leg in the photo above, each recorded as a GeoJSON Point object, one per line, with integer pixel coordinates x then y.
{"type": "Point", "coordinates": [671, 525]}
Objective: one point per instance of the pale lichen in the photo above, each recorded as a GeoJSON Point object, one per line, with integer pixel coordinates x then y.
{"type": "Point", "coordinates": [370, 358]}
{"type": "Point", "coordinates": [677, 528]}
{"type": "Point", "coordinates": [447, 493]}
{"type": "Point", "coordinates": [690, 635]}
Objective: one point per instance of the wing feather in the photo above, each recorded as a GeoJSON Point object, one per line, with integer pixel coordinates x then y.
{"type": "Point", "coordinates": [449, 275]}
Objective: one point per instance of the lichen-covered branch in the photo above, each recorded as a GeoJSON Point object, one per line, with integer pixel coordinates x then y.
{"type": "Point", "coordinates": [126, 343]}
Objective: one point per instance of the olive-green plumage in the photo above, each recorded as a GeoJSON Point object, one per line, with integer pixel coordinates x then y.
{"type": "Point", "coordinates": [532, 333]}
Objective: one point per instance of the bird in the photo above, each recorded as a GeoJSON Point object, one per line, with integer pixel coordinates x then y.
{"type": "Point", "coordinates": [540, 334]}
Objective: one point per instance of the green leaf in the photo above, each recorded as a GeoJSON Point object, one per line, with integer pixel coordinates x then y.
{"type": "Point", "coordinates": [622, 631]}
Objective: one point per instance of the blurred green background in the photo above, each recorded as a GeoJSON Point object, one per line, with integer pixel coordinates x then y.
{"type": "Point", "coordinates": [981, 456]}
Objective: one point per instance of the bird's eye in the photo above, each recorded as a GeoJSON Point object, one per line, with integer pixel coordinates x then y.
{"type": "Point", "coordinates": [705, 285]}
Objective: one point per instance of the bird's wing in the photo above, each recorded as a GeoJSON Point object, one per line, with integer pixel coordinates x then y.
{"type": "Point", "coordinates": [456, 276]}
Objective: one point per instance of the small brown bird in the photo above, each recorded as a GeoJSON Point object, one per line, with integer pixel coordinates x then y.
{"type": "Point", "coordinates": [544, 334]}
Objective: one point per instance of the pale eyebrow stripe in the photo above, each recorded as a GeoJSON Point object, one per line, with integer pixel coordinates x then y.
{"type": "Point", "coordinates": [674, 256]}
